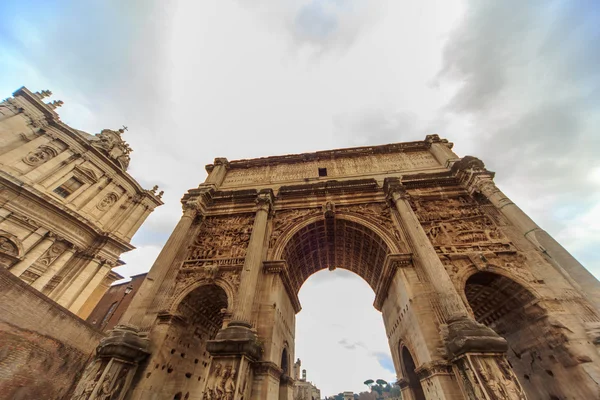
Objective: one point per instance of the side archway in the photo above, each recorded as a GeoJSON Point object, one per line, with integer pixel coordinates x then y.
{"type": "Point", "coordinates": [411, 382]}
{"type": "Point", "coordinates": [183, 361]}
{"type": "Point", "coordinates": [514, 313]}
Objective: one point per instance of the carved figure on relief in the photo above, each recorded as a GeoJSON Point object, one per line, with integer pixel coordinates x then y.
{"type": "Point", "coordinates": [286, 219]}
{"type": "Point", "coordinates": [222, 238]}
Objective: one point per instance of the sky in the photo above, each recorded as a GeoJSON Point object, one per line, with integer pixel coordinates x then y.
{"type": "Point", "coordinates": [514, 83]}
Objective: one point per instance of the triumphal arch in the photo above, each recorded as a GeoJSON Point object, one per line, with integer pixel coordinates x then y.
{"type": "Point", "coordinates": [478, 301]}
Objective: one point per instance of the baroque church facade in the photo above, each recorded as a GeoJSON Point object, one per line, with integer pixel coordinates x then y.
{"type": "Point", "coordinates": [68, 207]}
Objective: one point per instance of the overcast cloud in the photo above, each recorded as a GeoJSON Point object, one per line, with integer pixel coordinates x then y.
{"type": "Point", "coordinates": [514, 83]}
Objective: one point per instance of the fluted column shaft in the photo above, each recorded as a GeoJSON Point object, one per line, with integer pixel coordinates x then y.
{"type": "Point", "coordinates": [91, 285]}
{"type": "Point", "coordinates": [33, 254]}
{"type": "Point", "coordinates": [53, 269]}
{"type": "Point", "coordinates": [451, 303]}
{"type": "Point", "coordinates": [242, 314]}
{"type": "Point", "coordinates": [79, 283]}
{"type": "Point", "coordinates": [143, 298]}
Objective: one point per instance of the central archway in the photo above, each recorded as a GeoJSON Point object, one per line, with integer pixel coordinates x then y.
{"type": "Point", "coordinates": [332, 242]}
{"type": "Point", "coordinates": [335, 243]}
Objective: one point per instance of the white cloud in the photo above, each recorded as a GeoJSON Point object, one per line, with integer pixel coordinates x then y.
{"type": "Point", "coordinates": [511, 82]}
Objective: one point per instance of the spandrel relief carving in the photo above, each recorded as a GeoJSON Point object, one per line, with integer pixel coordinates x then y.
{"type": "Point", "coordinates": [222, 237]}
{"type": "Point", "coordinates": [284, 220]}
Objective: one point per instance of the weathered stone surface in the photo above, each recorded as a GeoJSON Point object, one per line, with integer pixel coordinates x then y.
{"type": "Point", "coordinates": [474, 306]}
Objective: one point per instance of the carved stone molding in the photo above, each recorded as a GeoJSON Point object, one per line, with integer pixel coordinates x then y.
{"type": "Point", "coordinates": [267, 368]}
{"type": "Point", "coordinates": [391, 265]}
{"type": "Point", "coordinates": [280, 268]}
{"type": "Point", "coordinates": [40, 156]}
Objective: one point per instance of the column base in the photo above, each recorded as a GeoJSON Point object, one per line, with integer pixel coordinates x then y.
{"type": "Point", "coordinates": [466, 335]}
{"type": "Point", "coordinates": [112, 370]}
{"type": "Point", "coordinates": [236, 340]}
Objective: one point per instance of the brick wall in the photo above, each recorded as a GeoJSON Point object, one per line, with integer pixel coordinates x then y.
{"type": "Point", "coordinates": [43, 346]}
{"type": "Point", "coordinates": [114, 295]}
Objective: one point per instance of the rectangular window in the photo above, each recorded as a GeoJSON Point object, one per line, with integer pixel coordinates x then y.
{"type": "Point", "coordinates": [71, 185]}
{"type": "Point", "coordinates": [322, 171]}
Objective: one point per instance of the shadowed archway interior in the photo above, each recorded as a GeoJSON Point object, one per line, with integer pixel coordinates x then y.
{"type": "Point", "coordinates": [332, 243]}
{"type": "Point", "coordinates": [497, 301]}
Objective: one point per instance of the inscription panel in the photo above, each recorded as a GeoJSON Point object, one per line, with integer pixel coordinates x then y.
{"type": "Point", "coordinates": [343, 167]}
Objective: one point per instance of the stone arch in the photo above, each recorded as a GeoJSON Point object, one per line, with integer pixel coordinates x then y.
{"type": "Point", "coordinates": [285, 360]}
{"type": "Point", "coordinates": [222, 283]}
{"type": "Point", "coordinates": [194, 319]}
{"type": "Point", "coordinates": [342, 241]}
{"type": "Point", "coordinates": [465, 273]}
{"type": "Point", "coordinates": [411, 384]}
{"type": "Point", "coordinates": [512, 310]}
{"type": "Point", "coordinates": [394, 244]}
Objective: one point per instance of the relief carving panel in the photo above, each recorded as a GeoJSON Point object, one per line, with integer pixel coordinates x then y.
{"type": "Point", "coordinates": [458, 225]}
{"type": "Point", "coordinates": [222, 238]}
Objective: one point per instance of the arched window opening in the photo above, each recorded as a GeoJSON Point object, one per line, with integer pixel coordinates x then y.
{"type": "Point", "coordinates": [285, 362]}
{"type": "Point", "coordinates": [410, 375]}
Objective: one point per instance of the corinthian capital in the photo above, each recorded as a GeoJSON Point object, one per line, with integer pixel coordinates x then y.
{"type": "Point", "coordinates": [264, 201]}
{"type": "Point", "coordinates": [394, 189]}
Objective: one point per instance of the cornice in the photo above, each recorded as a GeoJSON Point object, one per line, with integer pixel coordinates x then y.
{"type": "Point", "coordinates": [331, 154]}
{"type": "Point", "coordinates": [53, 206]}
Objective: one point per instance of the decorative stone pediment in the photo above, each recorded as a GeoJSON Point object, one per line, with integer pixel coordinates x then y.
{"type": "Point", "coordinates": [112, 145]}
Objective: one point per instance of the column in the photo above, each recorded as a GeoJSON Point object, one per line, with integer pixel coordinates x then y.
{"type": "Point", "coordinates": [54, 268]}
{"type": "Point", "coordinates": [88, 194]}
{"type": "Point", "coordinates": [93, 283]}
{"type": "Point", "coordinates": [242, 314]}
{"type": "Point", "coordinates": [217, 172]}
{"type": "Point", "coordinates": [451, 302]}
{"type": "Point", "coordinates": [79, 283]}
{"type": "Point", "coordinates": [143, 299]}
{"type": "Point", "coordinates": [39, 172]}
{"type": "Point", "coordinates": [464, 333]}
{"type": "Point", "coordinates": [33, 254]}
{"type": "Point", "coordinates": [111, 212]}
{"type": "Point", "coordinates": [33, 238]}
{"type": "Point", "coordinates": [579, 277]}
